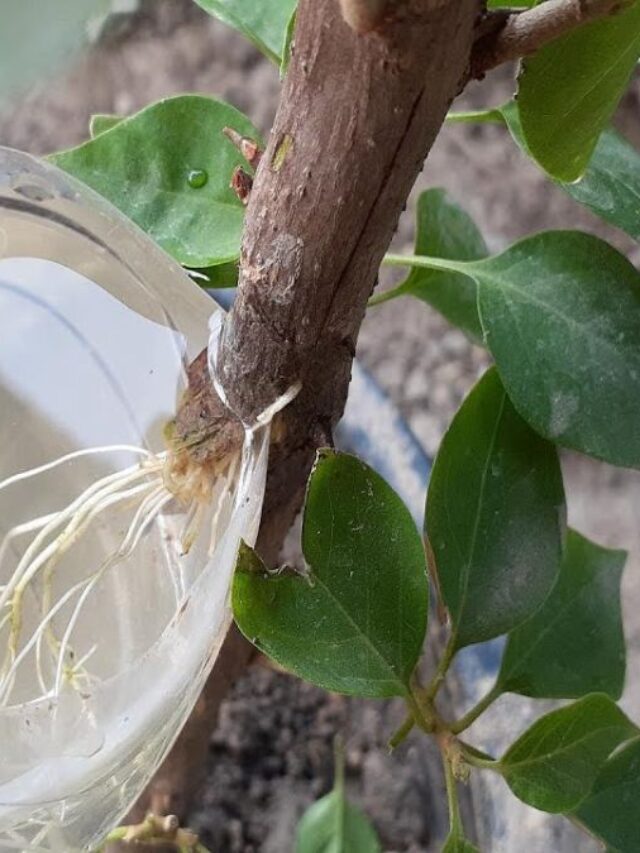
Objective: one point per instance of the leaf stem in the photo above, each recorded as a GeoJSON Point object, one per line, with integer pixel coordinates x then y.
{"type": "Point", "coordinates": [478, 758]}
{"type": "Point", "coordinates": [455, 821]}
{"type": "Point", "coordinates": [338, 760]}
{"type": "Point", "coordinates": [424, 262]}
{"type": "Point", "coordinates": [488, 116]}
{"type": "Point", "coordinates": [386, 295]}
{"type": "Point", "coordinates": [443, 667]}
{"type": "Point", "coordinates": [423, 711]}
{"type": "Point", "coordinates": [402, 731]}
{"type": "Point", "coordinates": [477, 710]}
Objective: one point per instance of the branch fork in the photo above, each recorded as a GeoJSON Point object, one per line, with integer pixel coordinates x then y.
{"type": "Point", "coordinates": [502, 38]}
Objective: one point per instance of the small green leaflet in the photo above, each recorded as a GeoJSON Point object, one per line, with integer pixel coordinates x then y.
{"type": "Point", "coordinates": [611, 810]}
{"type": "Point", "coordinates": [333, 825]}
{"type": "Point", "coordinates": [554, 764]}
{"type": "Point", "coordinates": [494, 516]}
{"type": "Point", "coordinates": [568, 90]}
{"type": "Point", "coordinates": [561, 316]}
{"type": "Point", "coordinates": [144, 165]}
{"type": "Point", "coordinates": [444, 230]}
{"type": "Point", "coordinates": [356, 623]}
{"type": "Point", "coordinates": [574, 644]}
{"type": "Point", "coordinates": [263, 22]}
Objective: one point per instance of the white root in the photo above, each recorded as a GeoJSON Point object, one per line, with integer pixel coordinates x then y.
{"type": "Point", "coordinates": [68, 457]}
{"type": "Point", "coordinates": [145, 488]}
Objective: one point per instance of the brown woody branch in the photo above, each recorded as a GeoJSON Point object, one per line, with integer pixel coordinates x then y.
{"type": "Point", "coordinates": [357, 117]}
{"type": "Point", "coordinates": [522, 33]}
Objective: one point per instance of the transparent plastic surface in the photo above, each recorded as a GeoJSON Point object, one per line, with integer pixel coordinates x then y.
{"type": "Point", "coordinates": [109, 620]}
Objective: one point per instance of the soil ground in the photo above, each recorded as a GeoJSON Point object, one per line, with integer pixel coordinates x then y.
{"type": "Point", "coordinates": [271, 754]}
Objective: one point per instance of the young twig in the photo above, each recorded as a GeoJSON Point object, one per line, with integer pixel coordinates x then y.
{"type": "Point", "coordinates": [363, 15]}
{"type": "Point", "coordinates": [248, 147]}
{"type": "Point", "coordinates": [523, 33]}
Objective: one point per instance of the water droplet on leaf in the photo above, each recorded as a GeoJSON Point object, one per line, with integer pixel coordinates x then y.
{"type": "Point", "coordinates": [197, 178]}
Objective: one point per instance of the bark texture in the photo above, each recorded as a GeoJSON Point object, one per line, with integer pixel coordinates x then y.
{"type": "Point", "coordinates": [357, 116]}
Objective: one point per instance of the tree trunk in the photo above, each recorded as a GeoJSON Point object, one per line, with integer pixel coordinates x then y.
{"type": "Point", "coordinates": [357, 117]}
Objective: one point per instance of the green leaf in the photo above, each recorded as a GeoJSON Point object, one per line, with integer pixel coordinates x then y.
{"type": "Point", "coordinates": [456, 844]}
{"type": "Point", "coordinates": [143, 166]}
{"type": "Point", "coordinates": [101, 122]}
{"type": "Point", "coordinates": [568, 90]}
{"type": "Point", "coordinates": [610, 187]}
{"type": "Point", "coordinates": [494, 516]}
{"type": "Point", "coordinates": [554, 764]}
{"type": "Point", "coordinates": [332, 825]}
{"type": "Point", "coordinates": [444, 230]}
{"type": "Point", "coordinates": [561, 315]}
{"type": "Point", "coordinates": [357, 623]}
{"type": "Point", "coordinates": [611, 810]}
{"type": "Point", "coordinates": [263, 22]}
{"type": "Point", "coordinates": [574, 644]}
{"type": "Point", "coordinates": [222, 275]}
{"type": "Point", "coordinates": [611, 184]}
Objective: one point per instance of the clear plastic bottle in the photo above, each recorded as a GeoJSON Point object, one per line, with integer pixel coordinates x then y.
{"type": "Point", "coordinates": [117, 621]}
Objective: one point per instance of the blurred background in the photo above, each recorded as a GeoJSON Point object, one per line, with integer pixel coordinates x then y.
{"type": "Point", "coordinates": [271, 754]}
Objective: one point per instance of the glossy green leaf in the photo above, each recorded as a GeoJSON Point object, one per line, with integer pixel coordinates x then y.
{"type": "Point", "coordinates": [101, 122]}
{"type": "Point", "coordinates": [455, 844]}
{"type": "Point", "coordinates": [357, 623]}
{"type": "Point", "coordinates": [574, 644]}
{"type": "Point", "coordinates": [494, 516]}
{"type": "Point", "coordinates": [610, 187]}
{"type": "Point", "coordinates": [569, 89]}
{"type": "Point", "coordinates": [145, 166]}
{"type": "Point", "coordinates": [611, 810]}
{"type": "Point", "coordinates": [611, 184]}
{"type": "Point", "coordinates": [444, 230]}
{"type": "Point", "coordinates": [263, 22]}
{"type": "Point", "coordinates": [561, 315]}
{"type": "Point", "coordinates": [554, 764]}
{"type": "Point", "coordinates": [333, 825]}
